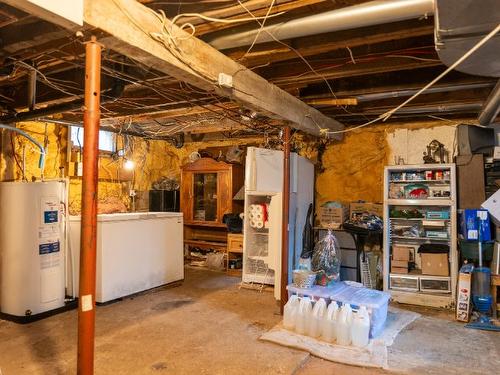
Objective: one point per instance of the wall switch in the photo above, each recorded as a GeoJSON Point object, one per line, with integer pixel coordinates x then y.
{"type": "Point", "coordinates": [79, 169]}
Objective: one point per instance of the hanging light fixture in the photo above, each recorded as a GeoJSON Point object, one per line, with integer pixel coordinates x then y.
{"type": "Point", "coordinates": [128, 164]}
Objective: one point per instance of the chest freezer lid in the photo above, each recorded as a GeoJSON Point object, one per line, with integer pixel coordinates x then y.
{"type": "Point", "coordinates": [130, 216]}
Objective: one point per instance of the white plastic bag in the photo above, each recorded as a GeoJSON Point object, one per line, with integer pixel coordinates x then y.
{"type": "Point", "coordinates": [215, 261]}
{"type": "Point", "coordinates": [326, 260]}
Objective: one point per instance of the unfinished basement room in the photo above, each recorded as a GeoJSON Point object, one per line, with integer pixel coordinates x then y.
{"type": "Point", "coordinates": [282, 187]}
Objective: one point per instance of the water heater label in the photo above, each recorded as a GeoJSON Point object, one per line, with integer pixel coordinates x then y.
{"type": "Point", "coordinates": [48, 248]}
{"type": "Point", "coordinates": [50, 217]}
{"type": "Point", "coordinates": [50, 210]}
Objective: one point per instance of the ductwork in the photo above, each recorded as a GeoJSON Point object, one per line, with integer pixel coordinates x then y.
{"type": "Point", "coordinates": [366, 14]}
{"type": "Point", "coordinates": [491, 107]}
{"type": "Point", "coordinates": [428, 109]}
{"type": "Point", "coordinates": [460, 25]}
{"type": "Point", "coordinates": [409, 92]}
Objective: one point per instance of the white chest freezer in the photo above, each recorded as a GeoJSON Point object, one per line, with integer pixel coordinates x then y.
{"type": "Point", "coordinates": [135, 252]}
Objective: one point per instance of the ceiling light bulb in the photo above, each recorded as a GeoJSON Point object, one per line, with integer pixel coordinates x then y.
{"type": "Point", "coordinates": [128, 165]}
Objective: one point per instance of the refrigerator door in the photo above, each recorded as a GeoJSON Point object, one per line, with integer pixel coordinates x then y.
{"type": "Point", "coordinates": [301, 195]}
{"type": "Point", "coordinates": [264, 170]}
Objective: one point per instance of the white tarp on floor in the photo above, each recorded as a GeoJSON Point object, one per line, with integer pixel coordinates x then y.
{"type": "Point", "coordinates": [373, 355]}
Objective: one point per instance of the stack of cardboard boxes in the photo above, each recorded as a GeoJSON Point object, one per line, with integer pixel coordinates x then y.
{"type": "Point", "coordinates": [400, 262]}
{"type": "Point", "coordinates": [334, 214]}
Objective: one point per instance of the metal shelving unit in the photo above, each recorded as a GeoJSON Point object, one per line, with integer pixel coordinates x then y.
{"type": "Point", "coordinates": [417, 297]}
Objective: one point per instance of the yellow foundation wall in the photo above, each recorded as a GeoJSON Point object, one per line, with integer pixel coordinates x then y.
{"type": "Point", "coordinates": [54, 136]}
{"type": "Point", "coordinates": [353, 167]}
{"type": "Point", "coordinates": [153, 160]}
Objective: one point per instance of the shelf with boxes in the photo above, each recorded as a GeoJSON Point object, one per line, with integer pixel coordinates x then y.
{"type": "Point", "coordinates": [420, 232]}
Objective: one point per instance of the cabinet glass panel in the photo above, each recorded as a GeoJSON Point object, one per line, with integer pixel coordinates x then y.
{"type": "Point", "coordinates": [205, 197]}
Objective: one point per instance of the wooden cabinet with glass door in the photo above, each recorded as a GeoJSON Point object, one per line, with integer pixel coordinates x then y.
{"type": "Point", "coordinates": [207, 190]}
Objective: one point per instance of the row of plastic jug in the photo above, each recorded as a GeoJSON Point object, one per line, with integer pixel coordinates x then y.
{"type": "Point", "coordinates": [331, 323]}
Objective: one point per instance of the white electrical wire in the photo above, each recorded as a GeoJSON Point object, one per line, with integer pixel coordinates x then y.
{"type": "Point", "coordinates": [221, 20]}
{"type": "Point", "coordinates": [385, 116]}
{"type": "Point", "coordinates": [261, 26]}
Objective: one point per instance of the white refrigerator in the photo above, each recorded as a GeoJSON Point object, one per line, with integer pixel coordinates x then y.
{"type": "Point", "coordinates": [263, 192]}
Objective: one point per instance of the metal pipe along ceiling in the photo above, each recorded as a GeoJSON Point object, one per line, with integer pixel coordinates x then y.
{"type": "Point", "coordinates": [491, 107]}
{"type": "Point", "coordinates": [366, 14]}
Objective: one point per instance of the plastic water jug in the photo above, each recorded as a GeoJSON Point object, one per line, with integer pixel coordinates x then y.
{"type": "Point", "coordinates": [344, 325]}
{"type": "Point", "coordinates": [303, 315]}
{"type": "Point", "coordinates": [290, 312]}
{"type": "Point", "coordinates": [360, 328]}
{"type": "Point", "coordinates": [314, 324]}
{"type": "Point", "coordinates": [329, 328]}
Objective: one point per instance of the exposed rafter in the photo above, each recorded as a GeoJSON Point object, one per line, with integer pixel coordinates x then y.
{"type": "Point", "coordinates": [130, 25]}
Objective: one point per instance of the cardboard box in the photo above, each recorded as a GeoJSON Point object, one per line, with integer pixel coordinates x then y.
{"type": "Point", "coordinates": [332, 217]}
{"type": "Point", "coordinates": [469, 225]}
{"type": "Point", "coordinates": [463, 296]}
{"type": "Point", "coordinates": [356, 208]}
{"type": "Point", "coordinates": [399, 263]}
{"type": "Point", "coordinates": [402, 270]}
{"type": "Point", "coordinates": [435, 264]}
{"type": "Point", "coordinates": [492, 204]}
{"type": "Point", "coordinates": [401, 253]}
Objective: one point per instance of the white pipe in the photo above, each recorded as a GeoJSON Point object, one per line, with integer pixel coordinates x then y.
{"type": "Point", "coordinates": [367, 14]}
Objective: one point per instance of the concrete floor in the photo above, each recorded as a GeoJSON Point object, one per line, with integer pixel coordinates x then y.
{"type": "Point", "coordinates": [209, 326]}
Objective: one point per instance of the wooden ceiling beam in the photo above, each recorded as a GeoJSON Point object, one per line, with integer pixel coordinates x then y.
{"type": "Point", "coordinates": [130, 25]}
{"type": "Point", "coordinates": [322, 102]}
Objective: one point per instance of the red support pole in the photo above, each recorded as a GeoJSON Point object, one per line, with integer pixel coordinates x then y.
{"type": "Point", "coordinates": [91, 115]}
{"type": "Point", "coordinates": [285, 218]}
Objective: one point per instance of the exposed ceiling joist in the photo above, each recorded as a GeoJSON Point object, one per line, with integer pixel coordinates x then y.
{"type": "Point", "coordinates": [130, 25]}
{"type": "Point", "coordinates": [383, 65]}
{"type": "Point", "coordinates": [318, 44]}
{"type": "Point", "coordinates": [258, 8]}
{"type": "Point", "coordinates": [173, 113]}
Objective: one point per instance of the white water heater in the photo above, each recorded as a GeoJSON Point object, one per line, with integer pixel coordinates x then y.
{"type": "Point", "coordinates": [32, 247]}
